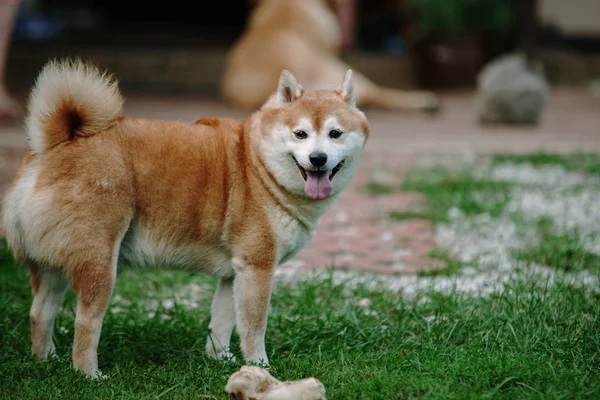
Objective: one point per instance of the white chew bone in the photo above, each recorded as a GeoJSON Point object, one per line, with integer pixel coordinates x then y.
{"type": "Point", "coordinates": [255, 383]}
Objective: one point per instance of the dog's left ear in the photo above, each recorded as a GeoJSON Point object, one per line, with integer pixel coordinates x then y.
{"type": "Point", "coordinates": [288, 90]}
{"type": "Point", "coordinates": [346, 88]}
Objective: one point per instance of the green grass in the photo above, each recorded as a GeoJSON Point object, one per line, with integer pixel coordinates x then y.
{"type": "Point", "coordinates": [562, 251]}
{"type": "Point", "coordinates": [588, 163]}
{"type": "Point", "coordinates": [527, 342]}
{"type": "Point", "coordinates": [444, 189]}
{"type": "Point", "coordinates": [377, 188]}
{"type": "Point", "coordinates": [453, 266]}
{"type": "Point", "coordinates": [410, 215]}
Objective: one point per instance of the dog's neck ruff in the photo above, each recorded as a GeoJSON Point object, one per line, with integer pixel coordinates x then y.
{"type": "Point", "coordinates": [303, 210]}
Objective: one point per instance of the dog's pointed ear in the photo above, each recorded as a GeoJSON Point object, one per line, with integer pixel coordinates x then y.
{"type": "Point", "coordinates": [346, 88]}
{"type": "Point", "coordinates": [288, 90]}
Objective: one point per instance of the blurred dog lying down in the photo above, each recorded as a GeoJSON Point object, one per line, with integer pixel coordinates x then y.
{"type": "Point", "coordinates": [303, 37]}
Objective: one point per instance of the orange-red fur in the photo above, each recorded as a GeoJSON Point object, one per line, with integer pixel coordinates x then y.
{"type": "Point", "coordinates": [96, 187]}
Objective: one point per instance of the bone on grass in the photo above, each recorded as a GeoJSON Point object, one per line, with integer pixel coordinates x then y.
{"type": "Point", "coordinates": [255, 383]}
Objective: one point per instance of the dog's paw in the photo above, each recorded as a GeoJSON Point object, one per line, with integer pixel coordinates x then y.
{"type": "Point", "coordinates": [228, 357]}
{"type": "Point", "coordinates": [96, 375]}
{"type": "Point", "coordinates": [259, 362]}
{"type": "Point", "coordinates": [99, 376]}
{"type": "Point", "coordinates": [54, 356]}
{"type": "Point", "coordinates": [221, 355]}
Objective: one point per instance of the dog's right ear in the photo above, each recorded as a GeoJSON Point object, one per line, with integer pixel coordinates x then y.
{"type": "Point", "coordinates": [346, 88]}
{"type": "Point", "coordinates": [289, 90]}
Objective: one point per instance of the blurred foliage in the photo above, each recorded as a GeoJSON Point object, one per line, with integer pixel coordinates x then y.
{"type": "Point", "coordinates": [462, 17]}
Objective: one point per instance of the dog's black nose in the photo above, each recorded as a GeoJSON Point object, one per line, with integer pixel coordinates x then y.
{"type": "Point", "coordinates": [317, 159]}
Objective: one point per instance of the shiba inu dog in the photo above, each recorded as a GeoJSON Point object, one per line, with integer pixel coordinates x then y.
{"type": "Point", "coordinates": [303, 37]}
{"type": "Point", "coordinates": [233, 198]}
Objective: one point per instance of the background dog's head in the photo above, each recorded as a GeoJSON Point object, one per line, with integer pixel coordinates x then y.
{"type": "Point", "coordinates": [312, 141]}
{"type": "Point", "coordinates": [333, 4]}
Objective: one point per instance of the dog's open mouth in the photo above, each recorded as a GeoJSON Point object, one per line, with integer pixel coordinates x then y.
{"type": "Point", "coordinates": [332, 172]}
{"type": "Point", "coordinates": [318, 183]}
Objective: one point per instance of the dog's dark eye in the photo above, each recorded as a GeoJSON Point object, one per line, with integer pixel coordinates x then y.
{"type": "Point", "coordinates": [301, 134]}
{"type": "Point", "coordinates": [335, 133]}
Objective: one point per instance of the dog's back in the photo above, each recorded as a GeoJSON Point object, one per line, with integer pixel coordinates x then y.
{"type": "Point", "coordinates": [311, 20]}
{"type": "Point", "coordinates": [281, 34]}
{"type": "Point", "coordinates": [90, 171]}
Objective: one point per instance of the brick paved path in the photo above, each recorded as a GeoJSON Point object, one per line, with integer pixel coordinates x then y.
{"type": "Point", "coordinates": [357, 232]}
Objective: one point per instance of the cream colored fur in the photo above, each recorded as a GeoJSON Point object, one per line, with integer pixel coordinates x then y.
{"type": "Point", "coordinates": [44, 310]}
{"type": "Point", "coordinates": [75, 83]}
{"type": "Point", "coordinates": [96, 189]}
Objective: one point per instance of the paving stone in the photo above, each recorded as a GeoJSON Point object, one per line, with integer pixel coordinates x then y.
{"type": "Point", "coordinates": [422, 247]}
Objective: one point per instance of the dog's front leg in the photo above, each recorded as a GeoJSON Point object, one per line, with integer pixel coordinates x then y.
{"type": "Point", "coordinates": [252, 295]}
{"type": "Point", "coordinates": [222, 321]}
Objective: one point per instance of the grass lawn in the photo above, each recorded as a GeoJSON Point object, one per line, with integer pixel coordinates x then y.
{"type": "Point", "coordinates": [534, 338]}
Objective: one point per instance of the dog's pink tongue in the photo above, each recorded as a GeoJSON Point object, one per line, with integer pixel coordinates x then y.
{"type": "Point", "coordinates": [318, 185]}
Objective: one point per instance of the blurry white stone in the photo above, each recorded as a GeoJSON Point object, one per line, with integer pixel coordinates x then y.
{"type": "Point", "coordinates": [365, 303]}
{"type": "Point", "coordinates": [511, 90]}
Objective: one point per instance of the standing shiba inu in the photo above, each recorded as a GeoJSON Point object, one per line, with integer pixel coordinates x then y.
{"type": "Point", "coordinates": [233, 198]}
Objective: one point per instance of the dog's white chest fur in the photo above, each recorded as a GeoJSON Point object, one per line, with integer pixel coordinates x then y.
{"type": "Point", "coordinates": [291, 235]}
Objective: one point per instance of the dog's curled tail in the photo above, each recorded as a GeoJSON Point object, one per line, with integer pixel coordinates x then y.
{"type": "Point", "coordinates": [70, 99]}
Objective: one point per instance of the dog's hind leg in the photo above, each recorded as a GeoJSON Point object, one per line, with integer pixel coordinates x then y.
{"type": "Point", "coordinates": [222, 320]}
{"type": "Point", "coordinates": [93, 280]}
{"type": "Point", "coordinates": [48, 288]}
{"type": "Point", "coordinates": [370, 95]}
{"type": "Point", "coordinates": [366, 92]}
{"type": "Point", "coordinates": [93, 283]}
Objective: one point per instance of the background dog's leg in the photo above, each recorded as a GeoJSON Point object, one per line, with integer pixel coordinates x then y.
{"type": "Point", "coordinates": [371, 95]}
{"type": "Point", "coordinates": [252, 294]}
{"type": "Point", "coordinates": [366, 92]}
{"type": "Point", "coordinates": [48, 289]}
{"type": "Point", "coordinates": [222, 320]}
{"type": "Point", "coordinates": [93, 283]}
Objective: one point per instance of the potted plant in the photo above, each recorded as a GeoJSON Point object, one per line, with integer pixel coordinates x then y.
{"type": "Point", "coordinates": [452, 39]}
